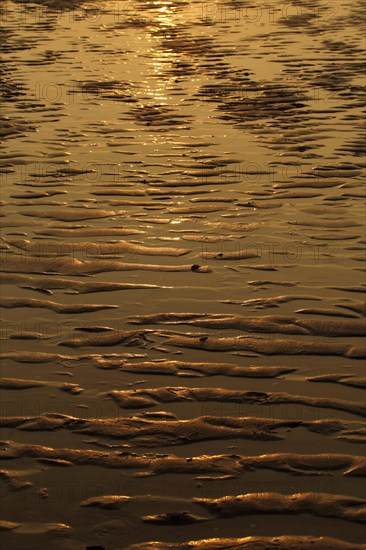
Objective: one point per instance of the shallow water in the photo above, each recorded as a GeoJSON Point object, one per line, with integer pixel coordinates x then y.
{"type": "Point", "coordinates": [183, 278]}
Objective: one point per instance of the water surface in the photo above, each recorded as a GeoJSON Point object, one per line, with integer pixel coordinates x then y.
{"type": "Point", "coordinates": [183, 279]}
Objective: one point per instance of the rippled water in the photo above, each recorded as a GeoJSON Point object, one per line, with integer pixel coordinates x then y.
{"type": "Point", "coordinates": [183, 279]}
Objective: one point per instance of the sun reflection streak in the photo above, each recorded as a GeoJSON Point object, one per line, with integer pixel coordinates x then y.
{"type": "Point", "coordinates": [161, 59]}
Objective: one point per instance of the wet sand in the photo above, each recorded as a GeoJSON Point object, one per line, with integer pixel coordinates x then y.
{"type": "Point", "coordinates": [182, 275]}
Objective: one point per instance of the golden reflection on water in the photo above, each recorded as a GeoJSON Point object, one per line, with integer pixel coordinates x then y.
{"type": "Point", "coordinates": [161, 59]}
{"type": "Point", "coordinates": [164, 13]}
{"type": "Point", "coordinates": [158, 86]}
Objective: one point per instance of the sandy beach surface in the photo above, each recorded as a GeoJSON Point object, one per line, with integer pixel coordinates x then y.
{"type": "Point", "coordinates": [182, 275]}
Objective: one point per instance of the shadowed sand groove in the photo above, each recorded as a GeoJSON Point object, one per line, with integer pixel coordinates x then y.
{"type": "Point", "coordinates": [191, 369]}
{"type": "Point", "coordinates": [153, 433]}
{"type": "Point", "coordinates": [130, 399]}
{"type": "Point", "coordinates": [254, 543]}
{"type": "Point", "coordinates": [200, 466]}
{"type": "Point", "coordinates": [69, 266]}
{"type": "Point", "coordinates": [268, 323]}
{"type": "Point", "coordinates": [74, 215]}
{"type": "Point", "coordinates": [272, 347]}
{"type": "Point", "coordinates": [56, 529]}
{"type": "Point", "coordinates": [342, 507]}
{"type": "Point", "coordinates": [129, 338]}
{"type": "Point", "coordinates": [10, 303]}
{"type": "Point", "coordinates": [273, 301]}
{"type": "Point", "coordinates": [41, 358]}
{"type": "Point", "coordinates": [269, 346]}
{"type": "Point", "coordinates": [20, 384]}
{"type": "Point", "coordinates": [88, 232]}
{"type": "Point", "coordinates": [46, 248]}
{"type": "Point", "coordinates": [47, 284]}
{"type": "Point", "coordinates": [159, 366]}
{"type": "Point", "coordinates": [321, 504]}
{"type": "Point", "coordinates": [349, 380]}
